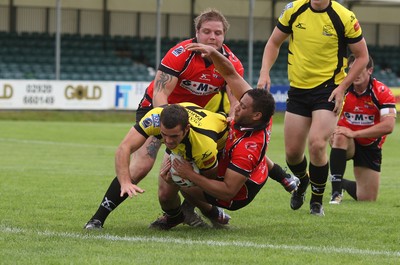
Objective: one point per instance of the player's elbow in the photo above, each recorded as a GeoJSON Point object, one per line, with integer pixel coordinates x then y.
{"type": "Point", "coordinates": [389, 128]}
{"type": "Point", "coordinates": [227, 195]}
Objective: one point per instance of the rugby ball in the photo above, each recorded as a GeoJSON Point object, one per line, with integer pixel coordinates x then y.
{"type": "Point", "coordinates": [177, 179]}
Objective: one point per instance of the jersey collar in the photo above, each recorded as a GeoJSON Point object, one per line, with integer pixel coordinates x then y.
{"type": "Point", "coordinates": [250, 129]}
{"type": "Point", "coordinates": [366, 92]}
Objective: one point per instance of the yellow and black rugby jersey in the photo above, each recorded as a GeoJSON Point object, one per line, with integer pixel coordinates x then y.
{"type": "Point", "coordinates": [207, 134]}
{"type": "Point", "coordinates": [318, 42]}
{"type": "Point", "coordinates": [219, 103]}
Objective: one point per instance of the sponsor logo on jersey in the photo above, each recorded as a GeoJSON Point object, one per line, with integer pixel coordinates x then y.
{"type": "Point", "coordinates": [290, 5]}
{"type": "Point", "coordinates": [369, 105]}
{"type": "Point", "coordinates": [250, 157]}
{"type": "Point", "coordinates": [206, 154]}
{"type": "Point", "coordinates": [301, 25]}
{"type": "Point", "coordinates": [205, 77]}
{"type": "Point", "coordinates": [359, 119]}
{"type": "Point", "coordinates": [216, 74]}
{"type": "Point", "coordinates": [178, 51]}
{"type": "Point", "coordinates": [147, 122]}
{"type": "Point", "coordinates": [156, 120]}
{"type": "Point", "coordinates": [357, 26]}
{"type": "Point", "coordinates": [251, 146]}
{"type": "Point", "coordinates": [328, 30]}
{"type": "Point", "coordinates": [209, 161]}
{"type": "Point", "coordinates": [199, 88]}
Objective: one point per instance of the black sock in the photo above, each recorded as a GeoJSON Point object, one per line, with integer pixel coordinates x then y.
{"type": "Point", "coordinates": [213, 213]}
{"type": "Point", "coordinates": [277, 173]}
{"type": "Point", "coordinates": [174, 215]}
{"type": "Point", "coordinates": [300, 171]}
{"type": "Point", "coordinates": [318, 178]}
{"type": "Point", "coordinates": [338, 167]}
{"type": "Point", "coordinates": [110, 201]}
{"type": "Point", "coordinates": [350, 187]}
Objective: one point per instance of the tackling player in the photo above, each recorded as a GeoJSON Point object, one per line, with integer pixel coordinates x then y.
{"type": "Point", "coordinates": [243, 169]}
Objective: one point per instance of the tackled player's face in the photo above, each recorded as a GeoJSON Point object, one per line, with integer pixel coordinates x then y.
{"type": "Point", "coordinates": [244, 111]}
{"type": "Point", "coordinates": [211, 33]}
{"type": "Point", "coordinates": [173, 137]}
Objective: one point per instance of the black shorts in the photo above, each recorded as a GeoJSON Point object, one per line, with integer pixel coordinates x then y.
{"type": "Point", "coordinates": [367, 156]}
{"type": "Point", "coordinates": [304, 101]}
{"type": "Point", "coordinates": [141, 111]}
{"type": "Point", "coordinates": [233, 205]}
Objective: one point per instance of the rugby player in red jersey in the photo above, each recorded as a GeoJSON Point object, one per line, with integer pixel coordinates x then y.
{"type": "Point", "coordinates": [367, 117]}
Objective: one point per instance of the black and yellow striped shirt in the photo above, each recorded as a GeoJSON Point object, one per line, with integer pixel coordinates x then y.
{"type": "Point", "coordinates": [318, 42]}
{"type": "Point", "coordinates": [207, 134]}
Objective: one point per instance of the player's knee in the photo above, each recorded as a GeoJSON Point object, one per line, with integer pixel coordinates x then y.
{"type": "Point", "coordinates": [367, 197]}
{"type": "Point", "coordinates": [339, 140]}
{"type": "Point", "coordinates": [317, 146]}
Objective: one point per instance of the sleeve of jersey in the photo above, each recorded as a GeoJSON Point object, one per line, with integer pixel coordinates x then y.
{"type": "Point", "coordinates": [284, 18]}
{"type": "Point", "coordinates": [353, 29]}
{"type": "Point", "coordinates": [175, 59]}
{"type": "Point", "coordinates": [244, 160]}
{"type": "Point", "coordinates": [387, 101]}
{"type": "Point", "coordinates": [239, 67]}
{"type": "Point", "coordinates": [235, 62]}
{"type": "Point", "coordinates": [149, 126]}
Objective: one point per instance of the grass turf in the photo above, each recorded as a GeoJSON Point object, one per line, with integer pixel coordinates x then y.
{"type": "Point", "coordinates": [55, 170]}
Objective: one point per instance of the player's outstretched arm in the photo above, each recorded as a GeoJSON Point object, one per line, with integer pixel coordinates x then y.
{"type": "Point", "coordinates": [132, 142]}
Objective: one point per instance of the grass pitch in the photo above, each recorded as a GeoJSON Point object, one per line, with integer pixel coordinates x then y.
{"type": "Point", "coordinates": [53, 175]}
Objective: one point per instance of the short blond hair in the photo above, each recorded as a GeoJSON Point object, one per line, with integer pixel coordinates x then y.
{"type": "Point", "coordinates": [211, 14]}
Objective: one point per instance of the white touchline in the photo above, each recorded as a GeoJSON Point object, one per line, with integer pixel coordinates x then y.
{"type": "Point", "coordinates": [169, 240]}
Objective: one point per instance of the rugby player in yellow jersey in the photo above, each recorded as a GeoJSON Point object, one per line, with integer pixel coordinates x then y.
{"type": "Point", "coordinates": [187, 130]}
{"type": "Point", "coordinates": [320, 32]}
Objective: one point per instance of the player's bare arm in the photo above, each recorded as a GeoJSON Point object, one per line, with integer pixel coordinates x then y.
{"type": "Point", "coordinates": [360, 52]}
{"type": "Point", "coordinates": [233, 101]}
{"type": "Point", "coordinates": [223, 190]}
{"type": "Point", "coordinates": [132, 141]}
{"type": "Point", "coordinates": [384, 127]}
{"type": "Point", "coordinates": [271, 52]}
{"type": "Point", "coordinates": [164, 84]}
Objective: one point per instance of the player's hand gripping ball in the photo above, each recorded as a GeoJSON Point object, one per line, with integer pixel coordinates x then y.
{"type": "Point", "coordinates": [177, 179]}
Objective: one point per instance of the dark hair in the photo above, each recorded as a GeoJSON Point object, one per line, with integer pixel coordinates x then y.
{"type": "Point", "coordinates": [174, 115]}
{"type": "Point", "coordinates": [352, 58]}
{"type": "Point", "coordinates": [263, 102]}
{"type": "Point", "coordinates": [210, 15]}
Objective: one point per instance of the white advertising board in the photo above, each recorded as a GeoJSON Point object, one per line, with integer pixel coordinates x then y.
{"type": "Point", "coordinates": [70, 95]}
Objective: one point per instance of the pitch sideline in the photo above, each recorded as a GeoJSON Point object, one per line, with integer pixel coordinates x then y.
{"type": "Point", "coordinates": [213, 243]}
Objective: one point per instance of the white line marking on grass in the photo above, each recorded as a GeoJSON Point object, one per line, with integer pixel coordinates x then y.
{"type": "Point", "coordinates": [212, 243]}
{"type": "Point", "coordinates": [13, 140]}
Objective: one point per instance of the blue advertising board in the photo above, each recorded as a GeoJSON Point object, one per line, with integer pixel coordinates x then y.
{"type": "Point", "coordinates": [280, 95]}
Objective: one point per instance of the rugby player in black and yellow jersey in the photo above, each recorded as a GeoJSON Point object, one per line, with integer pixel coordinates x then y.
{"type": "Point", "coordinates": [319, 32]}
{"type": "Point", "coordinates": [187, 130]}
